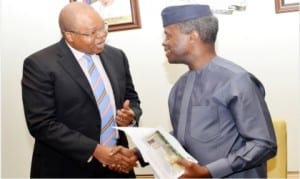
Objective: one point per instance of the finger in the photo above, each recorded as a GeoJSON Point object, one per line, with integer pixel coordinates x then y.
{"type": "Point", "coordinates": [121, 123]}
{"type": "Point", "coordinates": [126, 169]}
{"type": "Point", "coordinates": [117, 168]}
{"type": "Point", "coordinates": [127, 116]}
{"type": "Point", "coordinates": [134, 163]}
{"type": "Point", "coordinates": [184, 163]}
{"type": "Point", "coordinates": [115, 150]}
{"type": "Point", "coordinates": [121, 114]}
{"type": "Point", "coordinates": [126, 104]}
{"type": "Point", "coordinates": [126, 162]}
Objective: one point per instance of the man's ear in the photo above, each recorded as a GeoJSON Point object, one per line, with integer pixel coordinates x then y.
{"type": "Point", "coordinates": [68, 36]}
{"type": "Point", "coordinates": [194, 36]}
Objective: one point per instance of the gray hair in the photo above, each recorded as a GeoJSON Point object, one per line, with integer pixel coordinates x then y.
{"type": "Point", "coordinates": [207, 27]}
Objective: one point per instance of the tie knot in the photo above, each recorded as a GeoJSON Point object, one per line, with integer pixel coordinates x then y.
{"type": "Point", "coordinates": [87, 57]}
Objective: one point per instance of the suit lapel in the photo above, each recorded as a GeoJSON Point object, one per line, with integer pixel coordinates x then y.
{"type": "Point", "coordinates": [71, 66]}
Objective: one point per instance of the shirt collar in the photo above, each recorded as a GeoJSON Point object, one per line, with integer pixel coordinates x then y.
{"type": "Point", "coordinates": [78, 55]}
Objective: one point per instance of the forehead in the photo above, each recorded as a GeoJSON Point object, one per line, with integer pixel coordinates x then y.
{"type": "Point", "coordinates": [172, 28]}
{"type": "Point", "coordinates": [88, 20]}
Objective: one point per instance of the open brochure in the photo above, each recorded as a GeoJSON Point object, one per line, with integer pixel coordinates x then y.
{"type": "Point", "coordinates": [160, 149]}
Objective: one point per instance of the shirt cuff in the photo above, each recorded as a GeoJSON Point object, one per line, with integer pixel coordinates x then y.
{"type": "Point", "coordinates": [90, 159]}
{"type": "Point", "coordinates": [133, 123]}
{"type": "Point", "coordinates": [140, 157]}
{"type": "Point", "coordinates": [219, 168]}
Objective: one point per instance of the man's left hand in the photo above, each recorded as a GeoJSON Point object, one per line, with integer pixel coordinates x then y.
{"type": "Point", "coordinates": [126, 115]}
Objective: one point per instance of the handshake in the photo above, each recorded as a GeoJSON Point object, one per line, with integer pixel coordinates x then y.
{"type": "Point", "coordinates": [117, 158]}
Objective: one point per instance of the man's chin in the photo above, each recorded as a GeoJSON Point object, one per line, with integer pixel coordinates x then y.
{"type": "Point", "coordinates": [174, 61]}
{"type": "Point", "coordinates": [99, 50]}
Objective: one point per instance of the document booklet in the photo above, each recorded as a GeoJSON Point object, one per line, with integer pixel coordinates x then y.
{"type": "Point", "coordinates": [160, 149]}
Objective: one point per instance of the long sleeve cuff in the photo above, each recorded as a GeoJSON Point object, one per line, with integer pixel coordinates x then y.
{"type": "Point", "coordinates": [140, 158]}
{"type": "Point", "coordinates": [220, 168]}
{"type": "Point", "coordinates": [90, 159]}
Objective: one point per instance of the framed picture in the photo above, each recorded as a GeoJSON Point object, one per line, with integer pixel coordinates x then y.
{"type": "Point", "coordinates": [118, 14]}
{"type": "Point", "coordinates": [286, 6]}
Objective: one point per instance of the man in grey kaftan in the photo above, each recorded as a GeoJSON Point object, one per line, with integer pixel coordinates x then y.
{"type": "Point", "coordinates": [227, 126]}
{"type": "Point", "coordinates": [217, 108]}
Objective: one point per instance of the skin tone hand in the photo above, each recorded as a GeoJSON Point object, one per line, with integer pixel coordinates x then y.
{"type": "Point", "coordinates": [130, 154]}
{"type": "Point", "coordinates": [117, 158]}
{"type": "Point", "coordinates": [125, 115]}
{"type": "Point", "coordinates": [193, 170]}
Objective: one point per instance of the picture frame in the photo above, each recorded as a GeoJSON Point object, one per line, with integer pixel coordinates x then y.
{"type": "Point", "coordinates": [282, 6]}
{"type": "Point", "coordinates": [119, 15]}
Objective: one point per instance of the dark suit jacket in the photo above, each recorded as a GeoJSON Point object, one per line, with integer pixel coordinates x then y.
{"type": "Point", "coordinates": [61, 111]}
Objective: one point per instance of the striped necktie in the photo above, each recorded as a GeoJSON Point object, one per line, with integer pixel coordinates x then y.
{"type": "Point", "coordinates": [108, 135]}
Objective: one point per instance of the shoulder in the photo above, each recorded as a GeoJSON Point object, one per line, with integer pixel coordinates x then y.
{"type": "Point", "coordinates": [111, 49]}
{"type": "Point", "coordinates": [234, 78]}
{"type": "Point", "coordinates": [226, 72]}
{"type": "Point", "coordinates": [50, 52]}
{"type": "Point", "coordinates": [113, 52]}
{"type": "Point", "coordinates": [48, 56]}
{"type": "Point", "coordinates": [222, 65]}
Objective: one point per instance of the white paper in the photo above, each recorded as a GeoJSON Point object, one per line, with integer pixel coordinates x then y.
{"type": "Point", "coordinates": [160, 149]}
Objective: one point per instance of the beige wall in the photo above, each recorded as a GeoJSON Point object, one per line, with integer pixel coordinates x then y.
{"type": "Point", "coordinates": [265, 43]}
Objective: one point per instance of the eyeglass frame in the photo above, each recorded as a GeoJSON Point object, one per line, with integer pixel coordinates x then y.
{"type": "Point", "coordinates": [93, 33]}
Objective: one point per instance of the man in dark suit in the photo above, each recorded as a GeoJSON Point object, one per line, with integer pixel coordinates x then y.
{"type": "Point", "coordinates": [61, 111]}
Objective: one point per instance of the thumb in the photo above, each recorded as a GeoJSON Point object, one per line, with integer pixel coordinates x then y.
{"type": "Point", "coordinates": [184, 163]}
{"type": "Point", "coordinates": [126, 104]}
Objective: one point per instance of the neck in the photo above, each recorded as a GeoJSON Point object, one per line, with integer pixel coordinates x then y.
{"type": "Point", "coordinates": [202, 57]}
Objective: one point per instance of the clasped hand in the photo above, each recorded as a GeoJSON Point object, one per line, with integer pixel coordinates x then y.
{"type": "Point", "coordinates": [118, 158]}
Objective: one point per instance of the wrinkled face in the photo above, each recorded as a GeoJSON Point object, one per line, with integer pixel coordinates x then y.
{"type": "Point", "coordinates": [175, 44]}
{"type": "Point", "coordinates": [89, 34]}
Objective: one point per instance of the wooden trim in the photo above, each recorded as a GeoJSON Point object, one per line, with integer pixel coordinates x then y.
{"type": "Point", "coordinates": [281, 6]}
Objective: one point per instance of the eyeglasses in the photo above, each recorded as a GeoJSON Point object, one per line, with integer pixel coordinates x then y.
{"type": "Point", "coordinates": [93, 33]}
